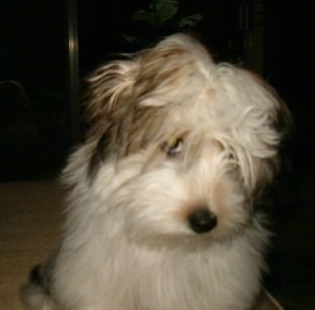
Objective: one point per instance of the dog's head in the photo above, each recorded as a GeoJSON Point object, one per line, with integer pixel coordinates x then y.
{"type": "Point", "coordinates": [180, 145]}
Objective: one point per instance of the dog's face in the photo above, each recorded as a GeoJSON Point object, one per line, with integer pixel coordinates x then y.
{"type": "Point", "coordinates": [180, 146]}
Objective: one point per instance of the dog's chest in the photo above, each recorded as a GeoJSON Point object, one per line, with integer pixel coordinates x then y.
{"type": "Point", "coordinates": [188, 281]}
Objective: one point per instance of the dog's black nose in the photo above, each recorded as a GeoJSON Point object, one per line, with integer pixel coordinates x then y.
{"type": "Point", "coordinates": [202, 221]}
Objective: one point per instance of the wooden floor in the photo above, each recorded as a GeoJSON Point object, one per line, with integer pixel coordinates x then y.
{"type": "Point", "coordinates": [31, 214]}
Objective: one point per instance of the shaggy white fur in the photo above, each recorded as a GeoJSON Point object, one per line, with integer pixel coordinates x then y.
{"type": "Point", "coordinates": [163, 193]}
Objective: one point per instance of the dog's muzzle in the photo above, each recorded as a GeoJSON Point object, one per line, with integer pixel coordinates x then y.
{"type": "Point", "coordinates": [202, 221]}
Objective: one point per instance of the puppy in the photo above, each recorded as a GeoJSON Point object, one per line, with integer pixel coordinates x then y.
{"type": "Point", "coordinates": [164, 210]}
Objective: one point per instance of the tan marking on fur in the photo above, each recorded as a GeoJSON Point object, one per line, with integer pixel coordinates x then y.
{"type": "Point", "coordinates": [112, 86]}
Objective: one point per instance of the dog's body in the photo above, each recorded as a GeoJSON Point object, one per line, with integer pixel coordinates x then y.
{"type": "Point", "coordinates": [162, 211]}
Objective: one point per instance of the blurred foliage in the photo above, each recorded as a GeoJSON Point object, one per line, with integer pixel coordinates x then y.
{"type": "Point", "coordinates": [161, 16]}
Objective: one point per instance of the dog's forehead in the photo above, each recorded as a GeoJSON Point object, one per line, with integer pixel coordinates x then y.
{"type": "Point", "coordinates": [177, 85]}
{"type": "Point", "coordinates": [180, 70]}
{"type": "Point", "coordinates": [226, 99]}
{"type": "Point", "coordinates": [199, 108]}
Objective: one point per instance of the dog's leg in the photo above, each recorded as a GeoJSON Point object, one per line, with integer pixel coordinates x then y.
{"type": "Point", "coordinates": [36, 293]}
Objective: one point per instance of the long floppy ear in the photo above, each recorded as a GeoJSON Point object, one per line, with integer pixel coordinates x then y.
{"type": "Point", "coordinates": [283, 126]}
{"type": "Point", "coordinates": [262, 130]}
{"type": "Point", "coordinates": [107, 87]}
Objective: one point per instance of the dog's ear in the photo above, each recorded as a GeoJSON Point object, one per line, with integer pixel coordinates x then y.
{"type": "Point", "coordinates": [262, 133]}
{"type": "Point", "coordinates": [283, 120]}
{"type": "Point", "coordinates": [271, 168]}
{"type": "Point", "coordinates": [107, 87]}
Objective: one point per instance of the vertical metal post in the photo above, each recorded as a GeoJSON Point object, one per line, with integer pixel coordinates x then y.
{"type": "Point", "coordinates": [73, 63]}
{"type": "Point", "coordinates": [252, 14]}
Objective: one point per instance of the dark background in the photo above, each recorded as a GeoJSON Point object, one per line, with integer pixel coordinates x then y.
{"type": "Point", "coordinates": [37, 100]}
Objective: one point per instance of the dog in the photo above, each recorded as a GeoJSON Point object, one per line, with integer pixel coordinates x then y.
{"type": "Point", "coordinates": [165, 209]}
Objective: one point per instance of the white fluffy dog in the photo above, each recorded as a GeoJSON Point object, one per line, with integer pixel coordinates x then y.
{"type": "Point", "coordinates": [163, 210]}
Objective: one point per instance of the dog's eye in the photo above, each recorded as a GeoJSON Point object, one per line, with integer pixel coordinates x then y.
{"type": "Point", "coordinates": [173, 147]}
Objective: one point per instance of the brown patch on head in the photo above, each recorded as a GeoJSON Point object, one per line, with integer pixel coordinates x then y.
{"type": "Point", "coordinates": [125, 113]}
{"type": "Point", "coordinates": [128, 101]}
{"type": "Point", "coordinates": [133, 128]}
{"type": "Point", "coordinates": [109, 87]}
{"type": "Point", "coordinates": [122, 86]}
{"type": "Point", "coordinates": [161, 67]}
{"type": "Point", "coordinates": [130, 131]}
{"type": "Point", "coordinates": [139, 128]}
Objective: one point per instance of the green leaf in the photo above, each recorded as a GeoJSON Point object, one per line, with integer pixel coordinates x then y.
{"type": "Point", "coordinates": [134, 40]}
{"type": "Point", "coordinates": [190, 21]}
{"type": "Point", "coordinates": [163, 10]}
{"type": "Point", "coordinates": [129, 38]}
{"type": "Point", "coordinates": [142, 15]}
